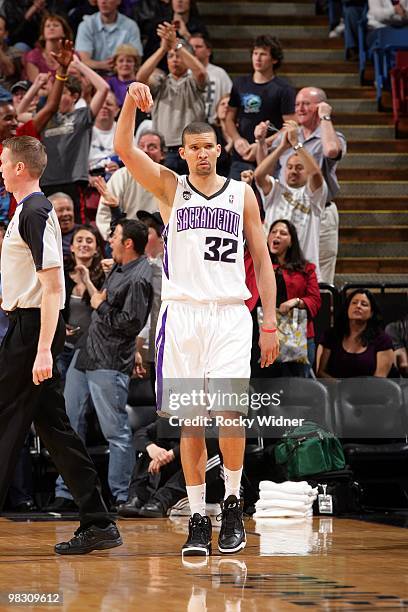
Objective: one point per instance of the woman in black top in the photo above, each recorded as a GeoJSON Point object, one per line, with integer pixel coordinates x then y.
{"type": "Point", "coordinates": [83, 277]}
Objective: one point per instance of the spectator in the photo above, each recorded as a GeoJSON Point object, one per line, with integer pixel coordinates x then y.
{"type": "Point", "coordinates": [83, 276]}
{"type": "Point", "coordinates": [157, 480]}
{"type": "Point", "coordinates": [223, 139]}
{"type": "Point", "coordinates": [67, 138]}
{"type": "Point", "coordinates": [336, 21]}
{"type": "Point", "coordinates": [219, 82]}
{"type": "Point", "coordinates": [103, 160]}
{"type": "Point", "coordinates": [23, 19]}
{"type": "Point", "coordinates": [149, 13]}
{"type": "Point", "coordinates": [64, 208]}
{"type": "Point", "coordinates": [122, 194]}
{"type": "Point", "coordinates": [353, 11]}
{"type": "Point", "coordinates": [297, 287]}
{"type": "Point", "coordinates": [9, 125]}
{"type": "Point", "coordinates": [100, 34]}
{"type": "Point", "coordinates": [302, 196]}
{"type": "Point", "coordinates": [318, 136]}
{"type": "Point", "coordinates": [154, 251]}
{"type": "Point", "coordinates": [18, 91]}
{"type": "Point", "coordinates": [179, 96]}
{"type": "Point", "coordinates": [28, 102]}
{"type": "Point", "coordinates": [398, 332]}
{"type": "Point", "coordinates": [383, 13]}
{"type": "Point", "coordinates": [183, 14]}
{"type": "Point", "coordinates": [101, 369]}
{"type": "Point", "coordinates": [261, 96]}
{"type": "Point", "coordinates": [101, 150]}
{"type": "Point", "coordinates": [357, 344]}
{"type": "Point", "coordinates": [10, 58]}
{"type": "Point", "coordinates": [126, 64]}
{"type": "Point", "coordinates": [80, 10]}
{"type": "Point", "coordinates": [41, 59]}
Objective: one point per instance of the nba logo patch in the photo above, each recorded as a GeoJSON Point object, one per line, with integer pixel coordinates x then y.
{"type": "Point", "coordinates": [186, 195]}
{"type": "Point", "coordinates": [231, 199]}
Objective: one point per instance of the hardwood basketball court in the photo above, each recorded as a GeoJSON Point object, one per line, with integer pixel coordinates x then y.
{"type": "Point", "coordinates": [288, 564]}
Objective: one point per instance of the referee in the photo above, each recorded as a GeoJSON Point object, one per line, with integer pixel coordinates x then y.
{"type": "Point", "coordinates": [33, 295]}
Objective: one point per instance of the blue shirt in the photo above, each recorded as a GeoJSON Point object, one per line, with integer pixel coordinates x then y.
{"type": "Point", "coordinates": [100, 40]}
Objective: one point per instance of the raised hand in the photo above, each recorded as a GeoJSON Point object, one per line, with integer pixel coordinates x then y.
{"type": "Point", "coordinates": [324, 109]}
{"type": "Point", "coordinates": [64, 54]}
{"type": "Point", "coordinates": [167, 33]}
{"type": "Point", "coordinates": [140, 94]}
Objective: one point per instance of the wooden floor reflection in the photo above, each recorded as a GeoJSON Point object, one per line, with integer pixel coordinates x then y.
{"type": "Point", "coordinates": [319, 564]}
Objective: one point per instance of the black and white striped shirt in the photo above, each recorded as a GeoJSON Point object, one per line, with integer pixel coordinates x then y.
{"type": "Point", "coordinates": [32, 243]}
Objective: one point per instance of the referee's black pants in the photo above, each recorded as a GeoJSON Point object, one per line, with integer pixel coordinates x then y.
{"type": "Point", "coordinates": [22, 402]}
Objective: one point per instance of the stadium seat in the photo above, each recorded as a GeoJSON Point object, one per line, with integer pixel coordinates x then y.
{"type": "Point", "coordinates": [388, 42]}
{"type": "Point", "coordinates": [371, 420]}
{"type": "Point", "coordinates": [300, 398]}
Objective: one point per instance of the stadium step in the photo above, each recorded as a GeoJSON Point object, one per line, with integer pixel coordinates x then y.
{"type": "Point", "coordinates": [264, 9]}
{"type": "Point", "coordinates": [383, 189]}
{"type": "Point", "coordinates": [373, 201]}
{"type": "Point", "coordinates": [375, 160]}
{"type": "Point", "coordinates": [370, 203]}
{"type": "Point", "coordinates": [357, 219]}
{"type": "Point", "coordinates": [291, 55]}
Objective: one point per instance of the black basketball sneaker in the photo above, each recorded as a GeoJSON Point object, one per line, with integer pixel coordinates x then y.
{"type": "Point", "coordinates": [232, 533]}
{"type": "Point", "coordinates": [198, 542]}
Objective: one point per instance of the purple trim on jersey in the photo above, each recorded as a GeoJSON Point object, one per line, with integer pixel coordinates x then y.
{"type": "Point", "coordinates": [159, 367]}
{"type": "Point", "coordinates": [165, 252]}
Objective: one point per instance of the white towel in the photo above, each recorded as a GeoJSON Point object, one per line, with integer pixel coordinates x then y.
{"type": "Point", "coordinates": [275, 494]}
{"type": "Point", "coordinates": [301, 488]}
{"type": "Point", "coordinates": [280, 512]}
{"type": "Point", "coordinates": [283, 503]}
{"type": "Point", "coordinates": [285, 535]}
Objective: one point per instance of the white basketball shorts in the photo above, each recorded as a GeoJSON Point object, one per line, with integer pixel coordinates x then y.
{"type": "Point", "coordinates": [202, 348]}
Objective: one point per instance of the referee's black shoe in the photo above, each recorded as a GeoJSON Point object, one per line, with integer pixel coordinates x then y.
{"type": "Point", "coordinates": [198, 542]}
{"type": "Point", "coordinates": [232, 536]}
{"type": "Point", "coordinates": [87, 539]}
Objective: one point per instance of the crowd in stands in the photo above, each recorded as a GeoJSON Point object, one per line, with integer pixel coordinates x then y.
{"type": "Point", "coordinates": [64, 71]}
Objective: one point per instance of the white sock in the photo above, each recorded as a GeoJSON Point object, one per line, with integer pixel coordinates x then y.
{"type": "Point", "coordinates": [196, 499]}
{"type": "Point", "coordinates": [232, 479]}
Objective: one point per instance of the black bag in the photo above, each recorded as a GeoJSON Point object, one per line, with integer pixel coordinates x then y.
{"type": "Point", "coordinates": [344, 490]}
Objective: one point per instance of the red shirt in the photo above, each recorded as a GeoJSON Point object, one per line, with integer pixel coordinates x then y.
{"type": "Point", "coordinates": [303, 285]}
{"type": "Point", "coordinates": [26, 129]}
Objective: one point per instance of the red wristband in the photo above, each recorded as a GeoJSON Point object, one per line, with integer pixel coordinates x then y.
{"type": "Point", "coordinates": [269, 331]}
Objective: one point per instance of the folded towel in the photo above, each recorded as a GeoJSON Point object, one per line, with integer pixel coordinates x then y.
{"type": "Point", "coordinates": [283, 503]}
{"type": "Point", "coordinates": [302, 487]}
{"type": "Point", "coordinates": [275, 494]}
{"type": "Point", "coordinates": [280, 512]}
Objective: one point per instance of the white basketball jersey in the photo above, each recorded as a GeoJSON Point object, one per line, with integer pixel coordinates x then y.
{"type": "Point", "coordinates": [204, 245]}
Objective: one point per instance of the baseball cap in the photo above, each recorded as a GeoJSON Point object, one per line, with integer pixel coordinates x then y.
{"type": "Point", "coordinates": [143, 215]}
{"type": "Point", "coordinates": [21, 85]}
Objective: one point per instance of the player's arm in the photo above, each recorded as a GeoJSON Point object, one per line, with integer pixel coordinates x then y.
{"type": "Point", "coordinates": [154, 177]}
{"type": "Point", "coordinates": [50, 306]}
{"type": "Point", "coordinates": [265, 277]}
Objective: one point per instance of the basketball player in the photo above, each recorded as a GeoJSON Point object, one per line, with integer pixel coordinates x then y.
{"type": "Point", "coordinates": [33, 295]}
{"type": "Point", "coordinates": [204, 329]}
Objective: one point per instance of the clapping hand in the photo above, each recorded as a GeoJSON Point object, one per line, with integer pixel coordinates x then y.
{"type": "Point", "coordinates": [107, 196]}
